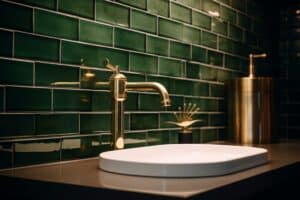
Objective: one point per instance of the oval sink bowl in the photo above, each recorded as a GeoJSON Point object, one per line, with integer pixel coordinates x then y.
{"type": "Point", "coordinates": [182, 160]}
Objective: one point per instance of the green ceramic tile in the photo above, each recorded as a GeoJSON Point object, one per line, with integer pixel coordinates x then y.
{"type": "Point", "coordinates": [34, 47]}
{"type": "Point", "coordinates": [84, 8]}
{"type": "Point", "coordinates": [92, 123]}
{"type": "Point", "coordinates": [6, 155]}
{"type": "Point", "coordinates": [199, 54]}
{"type": "Point", "coordinates": [56, 123]}
{"type": "Point", "coordinates": [92, 56]}
{"type": "Point", "coordinates": [232, 62]}
{"type": "Point", "coordinates": [36, 152]}
{"type": "Point", "coordinates": [157, 45]}
{"type": "Point", "coordinates": [210, 6]}
{"type": "Point", "coordinates": [82, 147]}
{"type": "Point", "coordinates": [131, 104]}
{"type": "Point", "coordinates": [225, 1]}
{"type": "Point", "coordinates": [32, 99]}
{"type": "Point", "coordinates": [157, 137]}
{"type": "Point", "coordinates": [225, 44]}
{"type": "Point", "coordinates": [150, 102]}
{"type": "Point", "coordinates": [139, 4]}
{"type": "Point", "coordinates": [170, 29]}
{"type": "Point", "coordinates": [217, 90]}
{"type": "Point", "coordinates": [6, 40]}
{"type": "Point", "coordinates": [20, 21]}
{"type": "Point", "coordinates": [222, 134]}
{"type": "Point", "coordinates": [259, 27]}
{"type": "Point", "coordinates": [129, 39]}
{"type": "Point", "coordinates": [101, 101]}
{"type": "Point", "coordinates": [179, 50]}
{"type": "Point", "coordinates": [201, 20]}
{"type": "Point", "coordinates": [215, 58]}
{"type": "Point", "coordinates": [95, 33]}
{"type": "Point", "coordinates": [235, 32]}
{"type": "Point", "coordinates": [51, 4]}
{"type": "Point", "coordinates": [181, 13]}
{"type": "Point", "coordinates": [143, 63]}
{"type": "Point", "coordinates": [173, 137]}
{"type": "Point", "coordinates": [1, 99]}
{"type": "Point", "coordinates": [72, 100]}
{"type": "Point", "coordinates": [176, 101]}
{"type": "Point", "coordinates": [164, 118]}
{"type": "Point", "coordinates": [193, 70]}
{"type": "Point", "coordinates": [135, 139]}
{"type": "Point", "coordinates": [16, 72]}
{"type": "Point", "coordinates": [191, 35]}
{"type": "Point", "coordinates": [135, 77]}
{"type": "Point", "coordinates": [49, 74]}
{"type": "Point", "coordinates": [244, 21]}
{"type": "Point", "coordinates": [209, 39]}
{"type": "Point", "coordinates": [251, 38]}
{"type": "Point", "coordinates": [170, 67]}
{"type": "Point", "coordinates": [143, 21]}
{"type": "Point", "coordinates": [167, 82]}
{"type": "Point", "coordinates": [239, 4]}
{"type": "Point", "coordinates": [17, 125]}
{"type": "Point", "coordinates": [191, 3]}
{"type": "Point", "coordinates": [190, 88]}
{"type": "Point", "coordinates": [217, 120]}
{"type": "Point", "coordinates": [208, 73]}
{"type": "Point", "coordinates": [205, 104]}
{"type": "Point", "coordinates": [209, 135]}
{"type": "Point", "coordinates": [219, 26]}
{"type": "Point", "coordinates": [223, 75]}
{"type": "Point", "coordinates": [160, 7]}
{"type": "Point", "coordinates": [144, 121]}
{"type": "Point", "coordinates": [228, 14]}
{"type": "Point", "coordinates": [112, 13]}
{"type": "Point", "coordinates": [48, 23]}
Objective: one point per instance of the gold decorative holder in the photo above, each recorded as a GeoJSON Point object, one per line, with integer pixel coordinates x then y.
{"type": "Point", "coordinates": [184, 120]}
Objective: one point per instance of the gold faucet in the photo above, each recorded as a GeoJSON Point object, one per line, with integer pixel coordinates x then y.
{"type": "Point", "coordinates": [119, 86]}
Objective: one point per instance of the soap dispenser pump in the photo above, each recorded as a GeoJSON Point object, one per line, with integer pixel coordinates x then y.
{"type": "Point", "coordinates": [251, 63]}
{"type": "Point", "coordinates": [252, 107]}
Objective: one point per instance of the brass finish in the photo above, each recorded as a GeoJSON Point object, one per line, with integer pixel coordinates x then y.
{"type": "Point", "coordinates": [252, 111]}
{"type": "Point", "coordinates": [251, 63]}
{"type": "Point", "coordinates": [119, 86]}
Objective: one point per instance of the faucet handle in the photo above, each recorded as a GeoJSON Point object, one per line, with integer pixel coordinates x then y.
{"type": "Point", "coordinates": [114, 69]}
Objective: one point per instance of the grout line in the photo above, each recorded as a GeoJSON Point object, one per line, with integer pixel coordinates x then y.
{"type": "Point", "coordinates": [4, 99]}
{"type": "Point", "coordinates": [52, 98]}
{"type": "Point", "coordinates": [95, 10]}
{"type": "Point", "coordinates": [60, 51]}
{"type": "Point", "coordinates": [33, 74]}
{"type": "Point", "coordinates": [33, 20]}
{"type": "Point", "coordinates": [79, 127]}
{"type": "Point", "coordinates": [13, 45]}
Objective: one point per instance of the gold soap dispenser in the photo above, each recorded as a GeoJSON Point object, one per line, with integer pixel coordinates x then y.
{"type": "Point", "coordinates": [252, 107]}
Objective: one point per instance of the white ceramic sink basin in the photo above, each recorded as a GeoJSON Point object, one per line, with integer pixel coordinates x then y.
{"type": "Point", "coordinates": [182, 160]}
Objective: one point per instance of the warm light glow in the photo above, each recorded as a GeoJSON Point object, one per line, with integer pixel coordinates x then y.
{"type": "Point", "coordinates": [214, 13]}
{"type": "Point", "coordinates": [89, 74]}
{"type": "Point", "coordinates": [297, 12]}
{"type": "Point", "coordinates": [120, 143]}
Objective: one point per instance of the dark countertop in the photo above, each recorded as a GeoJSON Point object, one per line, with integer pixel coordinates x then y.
{"type": "Point", "coordinates": [82, 179]}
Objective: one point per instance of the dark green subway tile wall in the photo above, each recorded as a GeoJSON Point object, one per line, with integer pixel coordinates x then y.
{"type": "Point", "coordinates": [51, 69]}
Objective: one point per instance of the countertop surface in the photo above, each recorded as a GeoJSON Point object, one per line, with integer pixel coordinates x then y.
{"type": "Point", "coordinates": [87, 174]}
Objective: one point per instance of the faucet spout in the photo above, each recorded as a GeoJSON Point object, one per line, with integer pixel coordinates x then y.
{"type": "Point", "coordinates": [119, 86]}
{"type": "Point", "coordinates": [151, 86]}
